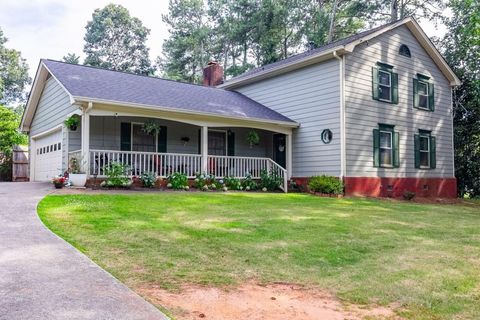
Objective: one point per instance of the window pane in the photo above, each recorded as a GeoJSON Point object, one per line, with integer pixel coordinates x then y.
{"type": "Point", "coordinates": [422, 101]}
{"type": "Point", "coordinates": [424, 159]}
{"type": "Point", "coordinates": [385, 139]}
{"type": "Point", "coordinates": [384, 78]}
{"type": "Point", "coordinates": [423, 143]}
{"type": "Point", "coordinates": [142, 141]}
{"type": "Point", "coordinates": [422, 88]}
{"type": "Point", "coordinates": [385, 156]}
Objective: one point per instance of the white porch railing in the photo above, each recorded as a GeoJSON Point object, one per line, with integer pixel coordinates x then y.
{"type": "Point", "coordinates": [161, 164]}
{"type": "Point", "coordinates": [241, 167]}
{"type": "Point", "coordinates": [164, 164]}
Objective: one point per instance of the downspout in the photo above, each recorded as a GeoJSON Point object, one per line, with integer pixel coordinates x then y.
{"type": "Point", "coordinates": [341, 61]}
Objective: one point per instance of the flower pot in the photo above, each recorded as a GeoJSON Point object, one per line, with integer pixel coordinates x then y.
{"type": "Point", "coordinates": [78, 179]}
{"type": "Point", "coordinates": [58, 185]}
{"type": "Point", "coordinates": [73, 127]}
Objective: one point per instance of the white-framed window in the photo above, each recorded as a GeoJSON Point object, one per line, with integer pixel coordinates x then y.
{"type": "Point", "coordinates": [422, 90]}
{"type": "Point", "coordinates": [424, 140]}
{"type": "Point", "coordinates": [386, 148]}
{"type": "Point", "coordinates": [385, 85]}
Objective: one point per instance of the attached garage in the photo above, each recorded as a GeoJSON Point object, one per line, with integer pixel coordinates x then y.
{"type": "Point", "coordinates": [47, 160]}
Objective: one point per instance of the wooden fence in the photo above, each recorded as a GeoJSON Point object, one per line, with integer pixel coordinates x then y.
{"type": "Point", "coordinates": [20, 163]}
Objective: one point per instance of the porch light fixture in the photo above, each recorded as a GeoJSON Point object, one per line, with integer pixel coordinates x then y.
{"type": "Point", "coordinates": [327, 136]}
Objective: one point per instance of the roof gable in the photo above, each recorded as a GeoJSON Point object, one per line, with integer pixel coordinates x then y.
{"type": "Point", "coordinates": [84, 83]}
{"type": "Point", "coordinates": [343, 46]}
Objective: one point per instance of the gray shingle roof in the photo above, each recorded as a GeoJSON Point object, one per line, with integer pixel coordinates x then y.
{"type": "Point", "coordinates": [308, 53]}
{"type": "Point", "coordinates": [96, 83]}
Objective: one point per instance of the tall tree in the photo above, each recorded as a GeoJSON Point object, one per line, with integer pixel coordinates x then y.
{"type": "Point", "coordinates": [13, 75]}
{"type": "Point", "coordinates": [117, 41]}
{"type": "Point", "coordinates": [9, 137]}
{"type": "Point", "coordinates": [461, 48]}
{"type": "Point", "coordinates": [187, 50]}
{"type": "Point", "coordinates": [71, 58]}
{"type": "Point", "coordinates": [392, 10]}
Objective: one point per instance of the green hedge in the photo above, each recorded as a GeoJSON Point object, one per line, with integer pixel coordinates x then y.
{"type": "Point", "coordinates": [326, 184]}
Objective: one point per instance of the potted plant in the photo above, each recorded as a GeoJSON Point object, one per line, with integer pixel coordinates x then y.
{"type": "Point", "coordinates": [76, 177]}
{"type": "Point", "coordinates": [151, 127]}
{"type": "Point", "coordinates": [253, 138]}
{"type": "Point", "coordinates": [72, 122]}
{"type": "Point", "coordinates": [58, 182]}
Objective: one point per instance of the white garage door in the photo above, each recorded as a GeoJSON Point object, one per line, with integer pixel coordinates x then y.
{"type": "Point", "coordinates": [48, 156]}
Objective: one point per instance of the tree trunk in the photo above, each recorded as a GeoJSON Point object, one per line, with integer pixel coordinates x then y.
{"type": "Point", "coordinates": [393, 11]}
{"type": "Point", "coordinates": [331, 29]}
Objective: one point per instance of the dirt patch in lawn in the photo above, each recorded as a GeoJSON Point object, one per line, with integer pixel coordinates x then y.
{"type": "Point", "coordinates": [253, 301]}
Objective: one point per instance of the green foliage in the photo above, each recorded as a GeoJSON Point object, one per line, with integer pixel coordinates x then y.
{"type": "Point", "coordinates": [148, 179]}
{"type": "Point", "coordinates": [460, 47]}
{"type": "Point", "coordinates": [178, 181]}
{"type": "Point", "coordinates": [249, 184]}
{"type": "Point", "coordinates": [151, 127]}
{"type": "Point", "coordinates": [271, 181]}
{"type": "Point", "coordinates": [232, 183]}
{"type": "Point", "coordinates": [204, 181]}
{"type": "Point", "coordinates": [114, 40]}
{"type": "Point", "coordinates": [13, 75]}
{"type": "Point", "coordinates": [187, 50]}
{"type": "Point", "coordinates": [9, 133]}
{"type": "Point", "coordinates": [71, 58]}
{"type": "Point", "coordinates": [72, 121]}
{"type": "Point", "coordinates": [253, 137]}
{"type": "Point", "coordinates": [326, 184]}
{"type": "Point", "coordinates": [116, 175]}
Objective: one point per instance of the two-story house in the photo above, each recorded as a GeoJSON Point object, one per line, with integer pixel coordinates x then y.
{"type": "Point", "coordinates": [374, 109]}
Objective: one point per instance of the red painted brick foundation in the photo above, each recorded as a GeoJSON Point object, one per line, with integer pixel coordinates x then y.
{"type": "Point", "coordinates": [395, 187]}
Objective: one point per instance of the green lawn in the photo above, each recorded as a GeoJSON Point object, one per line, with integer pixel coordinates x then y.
{"type": "Point", "coordinates": [423, 258]}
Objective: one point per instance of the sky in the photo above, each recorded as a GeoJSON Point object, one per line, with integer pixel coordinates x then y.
{"type": "Point", "coordinates": [52, 28]}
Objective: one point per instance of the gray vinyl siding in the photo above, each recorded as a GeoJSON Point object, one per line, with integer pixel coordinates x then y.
{"type": "Point", "coordinates": [363, 113]}
{"type": "Point", "coordinates": [310, 96]}
{"type": "Point", "coordinates": [105, 135]}
{"type": "Point", "coordinates": [53, 108]}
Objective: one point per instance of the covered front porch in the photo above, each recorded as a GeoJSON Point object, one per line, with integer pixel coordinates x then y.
{"type": "Point", "coordinates": [188, 146]}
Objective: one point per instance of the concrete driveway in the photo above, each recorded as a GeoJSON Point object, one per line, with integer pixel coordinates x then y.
{"type": "Point", "coordinates": [43, 277]}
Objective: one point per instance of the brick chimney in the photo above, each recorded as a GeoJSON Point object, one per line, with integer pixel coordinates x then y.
{"type": "Point", "coordinates": [212, 74]}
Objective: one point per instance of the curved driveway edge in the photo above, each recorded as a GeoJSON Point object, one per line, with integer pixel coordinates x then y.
{"type": "Point", "coordinates": [44, 277]}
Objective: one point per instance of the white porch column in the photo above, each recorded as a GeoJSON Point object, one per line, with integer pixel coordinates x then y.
{"type": "Point", "coordinates": [85, 139]}
{"type": "Point", "coordinates": [288, 147]}
{"type": "Point", "coordinates": [204, 148]}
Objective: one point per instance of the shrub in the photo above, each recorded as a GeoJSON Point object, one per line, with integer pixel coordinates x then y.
{"type": "Point", "coordinates": [408, 195]}
{"type": "Point", "coordinates": [326, 184]}
{"type": "Point", "coordinates": [178, 181]}
{"type": "Point", "coordinates": [248, 183]}
{"type": "Point", "coordinates": [270, 180]}
{"type": "Point", "coordinates": [116, 176]}
{"type": "Point", "coordinates": [148, 179]}
{"type": "Point", "coordinates": [232, 183]}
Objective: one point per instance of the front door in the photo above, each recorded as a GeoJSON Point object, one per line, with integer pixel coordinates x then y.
{"type": "Point", "coordinates": [279, 149]}
{"type": "Point", "coordinates": [217, 143]}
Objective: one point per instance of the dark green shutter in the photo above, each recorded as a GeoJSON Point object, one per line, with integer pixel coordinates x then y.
{"type": "Point", "coordinates": [431, 97]}
{"type": "Point", "coordinates": [231, 143]}
{"type": "Point", "coordinates": [417, 150]}
{"type": "Point", "coordinates": [162, 140]}
{"type": "Point", "coordinates": [376, 148]}
{"type": "Point", "coordinates": [433, 151]}
{"type": "Point", "coordinates": [396, 149]}
{"type": "Point", "coordinates": [394, 88]}
{"type": "Point", "coordinates": [375, 83]}
{"type": "Point", "coordinates": [125, 136]}
{"type": "Point", "coordinates": [415, 93]}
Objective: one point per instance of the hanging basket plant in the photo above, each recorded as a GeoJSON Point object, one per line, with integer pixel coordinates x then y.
{"type": "Point", "coordinates": [72, 122]}
{"type": "Point", "coordinates": [253, 138]}
{"type": "Point", "coordinates": [151, 127]}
